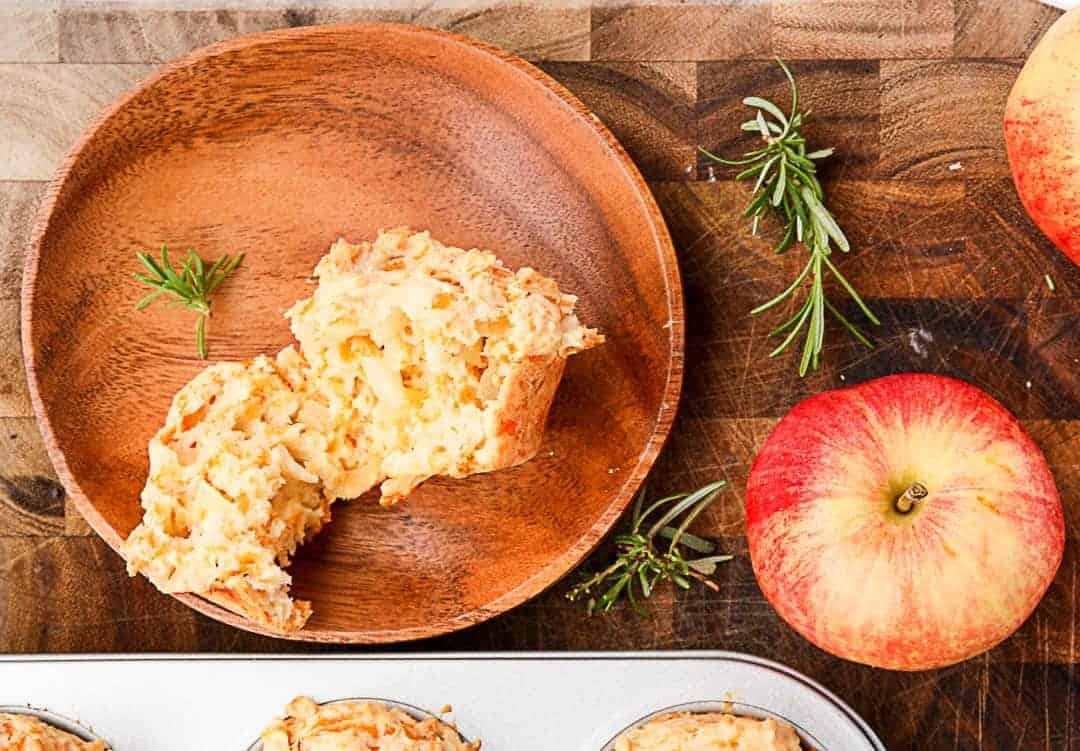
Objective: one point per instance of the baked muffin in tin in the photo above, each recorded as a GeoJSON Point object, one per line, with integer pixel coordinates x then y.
{"type": "Point", "coordinates": [28, 729]}
{"type": "Point", "coordinates": [713, 726]}
{"type": "Point", "coordinates": [359, 725]}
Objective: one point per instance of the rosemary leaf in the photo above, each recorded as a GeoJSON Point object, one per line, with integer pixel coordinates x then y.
{"type": "Point", "coordinates": [190, 287]}
{"type": "Point", "coordinates": [786, 186]}
{"type": "Point", "coordinates": [692, 541]}
{"type": "Point", "coordinates": [707, 566]}
{"type": "Point", "coordinates": [765, 104]}
{"type": "Point", "coordinates": [640, 564]}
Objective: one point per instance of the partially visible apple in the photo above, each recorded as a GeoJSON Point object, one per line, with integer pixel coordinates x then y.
{"type": "Point", "coordinates": [1042, 134]}
{"type": "Point", "coordinates": [906, 523]}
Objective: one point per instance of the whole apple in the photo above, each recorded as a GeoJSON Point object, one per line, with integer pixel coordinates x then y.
{"type": "Point", "coordinates": [1042, 134]}
{"type": "Point", "coordinates": [908, 522]}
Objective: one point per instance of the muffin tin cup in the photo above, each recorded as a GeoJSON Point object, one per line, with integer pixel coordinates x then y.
{"type": "Point", "coordinates": [413, 711]}
{"type": "Point", "coordinates": [58, 721]}
{"type": "Point", "coordinates": [738, 709]}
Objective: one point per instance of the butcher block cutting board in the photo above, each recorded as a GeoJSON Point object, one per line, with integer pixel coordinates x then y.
{"type": "Point", "coordinates": [911, 94]}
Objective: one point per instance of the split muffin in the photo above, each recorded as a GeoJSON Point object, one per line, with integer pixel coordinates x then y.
{"type": "Point", "coordinates": [20, 732]}
{"type": "Point", "coordinates": [711, 731]}
{"type": "Point", "coordinates": [358, 726]}
{"type": "Point", "coordinates": [413, 359]}
{"type": "Point", "coordinates": [227, 502]}
{"type": "Point", "coordinates": [425, 359]}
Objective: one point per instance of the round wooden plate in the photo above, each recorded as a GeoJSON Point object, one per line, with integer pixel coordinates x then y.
{"type": "Point", "coordinates": [274, 145]}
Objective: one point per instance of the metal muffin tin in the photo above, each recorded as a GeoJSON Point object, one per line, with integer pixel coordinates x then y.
{"type": "Point", "coordinates": [58, 721]}
{"type": "Point", "coordinates": [509, 701]}
{"type": "Point", "coordinates": [415, 712]}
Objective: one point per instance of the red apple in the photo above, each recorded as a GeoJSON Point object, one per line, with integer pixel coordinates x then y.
{"type": "Point", "coordinates": [906, 523]}
{"type": "Point", "coordinates": [1042, 134]}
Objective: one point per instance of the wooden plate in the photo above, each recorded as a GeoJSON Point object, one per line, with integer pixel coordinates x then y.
{"type": "Point", "coordinates": [274, 145]}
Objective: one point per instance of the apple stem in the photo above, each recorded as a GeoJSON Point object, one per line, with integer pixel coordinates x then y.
{"type": "Point", "coordinates": [915, 493]}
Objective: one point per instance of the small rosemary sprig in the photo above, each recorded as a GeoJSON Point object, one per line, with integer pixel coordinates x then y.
{"type": "Point", "coordinates": [786, 185]}
{"type": "Point", "coordinates": [191, 285]}
{"type": "Point", "coordinates": [640, 564]}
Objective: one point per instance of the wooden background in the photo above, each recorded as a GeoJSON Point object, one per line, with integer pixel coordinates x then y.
{"type": "Point", "coordinates": [911, 93]}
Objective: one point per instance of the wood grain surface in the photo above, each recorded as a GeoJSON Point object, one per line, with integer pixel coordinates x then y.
{"type": "Point", "coordinates": [941, 245]}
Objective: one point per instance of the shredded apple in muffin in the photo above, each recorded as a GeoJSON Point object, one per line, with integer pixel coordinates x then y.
{"type": "Point", "coordinates": [685, 731]}
{"type": "Point", "coordinates": [358, 726]}
{"type": "Point", "coordinates": [20, 732]}
{"type": "Point", "coordinates": [414, 359]}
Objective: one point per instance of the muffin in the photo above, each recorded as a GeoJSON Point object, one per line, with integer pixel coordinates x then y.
{"type": "Point", "coordinates": [415, 359]}
{"type": "Point", "coordinates": [23, 732]}
{"type": "Point", "coordinates": [226, 503]}
{"type": "Point", "coordinates": [430, 360]}
{"type": "Point", "coordinates": [714, 731]}
{"type": "Point", "coordinates": [358, 726]}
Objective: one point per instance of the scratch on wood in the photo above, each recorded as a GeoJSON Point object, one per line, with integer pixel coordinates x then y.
{"type": "Point", "coordinates": [1020, 681]}
{"type": "Point", "coordinates": [984, 690]}
{"type": "Point", "coordinates": [1072, 659]}
{"type": "Point", "coordinates": [956, 727]}
{"type": "Point", "coordinates": [1044, 639]}
{"type": "Point", "coordinates": [10, 565]}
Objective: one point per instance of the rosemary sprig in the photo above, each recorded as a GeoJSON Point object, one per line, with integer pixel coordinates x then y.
{"type": "Point", "coordinates": [641, 563]}
{"type": "Point", "coordinates": [786, 185]}
{"type": "Point", "coordinates": [191, 285]}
